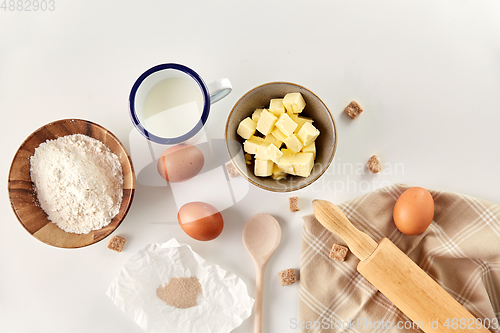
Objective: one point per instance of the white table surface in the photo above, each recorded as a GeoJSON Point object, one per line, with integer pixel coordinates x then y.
{"type": "Point", "coordinates": [427, 74]}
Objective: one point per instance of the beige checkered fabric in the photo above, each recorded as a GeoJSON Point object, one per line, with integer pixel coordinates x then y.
{"type": "Point", "coordinates": [460, 249]}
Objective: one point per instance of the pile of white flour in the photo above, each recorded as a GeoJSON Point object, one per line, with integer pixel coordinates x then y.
{"type": "Point", "coordinates": [79, 182]}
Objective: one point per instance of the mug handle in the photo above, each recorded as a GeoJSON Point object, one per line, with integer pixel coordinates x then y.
{"type": "Point", "coordinates": [219, 89]}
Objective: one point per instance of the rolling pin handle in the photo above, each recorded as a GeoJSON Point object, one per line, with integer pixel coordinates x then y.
{"type": "Point", "coordinates": [332, 218]}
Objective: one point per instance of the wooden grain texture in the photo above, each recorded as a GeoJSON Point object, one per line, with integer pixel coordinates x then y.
{"type": "Point", "coordinates": [261, 236]}
{"type": "Point", "coordinates": [396, 276]}
{"type": "Point", "coordinates": [332, 218]}
{"type": "Point", "coordinates": [413, 291]}
{"type": "Point", "coordinates": [23, 198]}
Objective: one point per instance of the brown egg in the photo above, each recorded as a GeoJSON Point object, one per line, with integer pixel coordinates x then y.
{"type": "Point", "coordinates": [414, 211]}
{"type": "Point", "coordinates": [180, 163]}
{"type": "Point", "coordinates": [200, 220]}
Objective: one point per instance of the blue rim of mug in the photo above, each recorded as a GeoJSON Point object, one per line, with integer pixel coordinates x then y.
{"type": "Point", "coordinates": [161, 140]}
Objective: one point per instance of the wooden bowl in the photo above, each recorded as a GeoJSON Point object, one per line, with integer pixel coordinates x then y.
{"type": "Point", "coordinates": [259, 98]}
{"type": "Point", "coordinates": [23, 198]}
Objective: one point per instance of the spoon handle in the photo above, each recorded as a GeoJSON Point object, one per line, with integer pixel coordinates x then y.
{"type": "Point", "coordinates": [332, 218]}
{"type": "Point", "coordinates": [259, 298]}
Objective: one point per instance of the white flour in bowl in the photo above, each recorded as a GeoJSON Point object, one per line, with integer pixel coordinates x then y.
{"type": "Point", "coordinates": [79, 182]}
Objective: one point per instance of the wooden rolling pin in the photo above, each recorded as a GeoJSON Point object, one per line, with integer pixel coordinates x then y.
{"type": "Point", "coordinates": [405, 284]}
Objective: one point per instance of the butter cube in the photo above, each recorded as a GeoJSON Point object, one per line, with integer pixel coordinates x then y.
{"type": "Point", "coordinates": [310, 149]}
{"type": "Point", "coordinates": [248, 158]}
{"type": "Point", "coordinates": [307, 134]}
{"type": "Point", "coordinates": [269, 153]}
{"type": "Point", "coordinates": [286, 125]}
{"type": "Point", "coordinates": [278, 135]}
{"type": "Point", "coordinates": [246, 128]}
{"type": "Point", "coordinates": [303, 164]}
{"type": "Point", "coordinates": [260, 154]}
{"type": "Point", "coordinates": [293, 143]}
{"type": "Point", "coordinates": [301, 121]}
{"type": "Point", "coordinates": [273, 140]}
{"type": "Point", "coordinates": [294, 102]}
{"type": "Point", "coordinates": [277, 173]}
{"type": "Point", "coordinates": [256, 115]}
{"type": "Point", "coordinates": [285, 164]}
{"type": "Point", "coordinates": [263, 168]}
{"type": "Point", "coordinates": [274, 153]}
{"type": "Point", "coordinates": [266, 122]}
{"type": "Point", "coordinates": [276, 106]}
{"type": "Point", "coordinates": [252, 145]}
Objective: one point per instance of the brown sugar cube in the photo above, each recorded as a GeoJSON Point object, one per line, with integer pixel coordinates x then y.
{"type": "Point", "coordinates": [116, 243]}
{"type": "Point", "coordinates": [338, 252]}
{"type": "Point", "coordinates": [231, 170]}
{"type": "Point", "coordinates": [287, 277]}
{"type": "Point", "coordinates": [353, 109]}
{"type": "Point", "coordinates": [374, 164]}
{"type": "Point", "coordinates": [294, 204]}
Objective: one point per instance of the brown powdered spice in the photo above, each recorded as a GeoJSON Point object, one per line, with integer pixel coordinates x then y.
{"type": "Point", "coordinates": [181, 293]}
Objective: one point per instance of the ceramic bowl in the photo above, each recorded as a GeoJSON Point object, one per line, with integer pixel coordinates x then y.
{"type": "Point", "coordinates": [259, 97]}
{"type": "Point", "coordinates": [23, 198]}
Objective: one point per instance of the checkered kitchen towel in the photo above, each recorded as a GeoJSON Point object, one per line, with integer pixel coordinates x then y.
{"type": "Point", "coordinates": [460, 249]}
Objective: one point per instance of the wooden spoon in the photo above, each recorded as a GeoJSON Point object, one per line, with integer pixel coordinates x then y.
{"type": "Point", "coordinates": [261, 236]}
